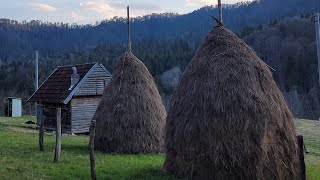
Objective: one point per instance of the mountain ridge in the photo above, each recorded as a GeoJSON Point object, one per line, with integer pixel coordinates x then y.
{"type": "Point", "coordinates": [190, 27]}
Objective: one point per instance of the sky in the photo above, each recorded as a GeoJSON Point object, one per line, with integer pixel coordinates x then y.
{"type": "Point", "coordinates": [92, 11]}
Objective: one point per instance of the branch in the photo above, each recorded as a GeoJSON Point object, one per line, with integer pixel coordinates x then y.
{"type": "Point", "coordinates": [219, 23]}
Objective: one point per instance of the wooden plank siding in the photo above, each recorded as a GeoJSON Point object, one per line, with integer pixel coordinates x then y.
{"type": "Point", "coordinates": [95, 83]}
{"type": "Point", "coordinates": [50, 118]}
{"type": "Point", "coordinates": [81, 106]}
{"type": "Point", "coordinates": [83, 110]}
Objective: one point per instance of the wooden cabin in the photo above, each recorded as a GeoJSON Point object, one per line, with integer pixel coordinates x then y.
{"type": "Point", "coordinates": [77, 90]}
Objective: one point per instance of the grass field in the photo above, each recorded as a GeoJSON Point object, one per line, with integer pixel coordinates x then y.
{"type": "Point", "coordinates": [311, 132]}
{"type": "Point", "coordinates": [21, 159]}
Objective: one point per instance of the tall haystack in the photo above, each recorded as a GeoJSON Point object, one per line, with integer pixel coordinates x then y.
{"type": "Point", "coordinates": [130, 117]}
{"type": "Point", "coordinates": [227, 118]}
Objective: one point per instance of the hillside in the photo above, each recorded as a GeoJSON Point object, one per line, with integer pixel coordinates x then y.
{"type": "Point", "coordinates": [166, 43]}
{"type": "Point", "coordinates": [18, 38]}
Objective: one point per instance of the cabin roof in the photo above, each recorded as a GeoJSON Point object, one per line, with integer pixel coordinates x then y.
{"type": "Point", "coordinates": [56, 88]}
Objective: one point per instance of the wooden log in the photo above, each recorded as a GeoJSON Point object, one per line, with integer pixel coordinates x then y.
{"type": "Point", "coordinates": [301, 158]}
{"type": "Point", "coordinates": [41, 130]}
{"type": "Point", "coordinates": [58, 137]}
{"type": "Point", "coordinates": [91, 150]}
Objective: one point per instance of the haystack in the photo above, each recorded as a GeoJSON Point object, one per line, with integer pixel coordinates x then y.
{"type": "Point", "coordinates": [227, 118]}
{"type": "Point", "coordinates": [130, 117]}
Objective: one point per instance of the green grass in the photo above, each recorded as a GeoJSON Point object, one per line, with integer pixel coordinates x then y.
{"type": "Point", "coordinates": [21, 159]}
{"type": "Point", "coordinates": [311, 133]}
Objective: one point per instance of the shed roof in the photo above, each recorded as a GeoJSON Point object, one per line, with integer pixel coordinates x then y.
{"type": "Point", "coordinates": [56, 88]}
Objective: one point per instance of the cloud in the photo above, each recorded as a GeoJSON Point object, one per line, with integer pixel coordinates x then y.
{"type": "Point", "coordinates": [43, 7]}
{"type": "Point", "coordinates": [100, 7]}
{"type": "Point", "coordinates": [110, 9]}
{"type": "Point", "coordinates": [77, 17]}
{"type": "Point", "coordinates": [143, 9]}
{"type": "Point", "coordinates": [198, 2]}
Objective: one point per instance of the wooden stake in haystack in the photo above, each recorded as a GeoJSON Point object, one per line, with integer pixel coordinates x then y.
{"type": "Point", "coordinates": [130, 116]}
{"type": "Point", "coordinates": [129, 30]}
{"type": "Point", "coordinates": [215, 131]}
{"type": "Point", "coordinates": [220, 10]}
{"type": "Point", "coordinates": [219, 19]}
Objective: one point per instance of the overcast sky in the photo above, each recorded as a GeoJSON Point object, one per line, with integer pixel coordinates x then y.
{"type": "Point", "coordinates": [90, 11]}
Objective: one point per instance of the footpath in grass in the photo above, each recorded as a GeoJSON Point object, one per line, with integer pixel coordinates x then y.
{"type": "Point", "coordinates": [21, 159]}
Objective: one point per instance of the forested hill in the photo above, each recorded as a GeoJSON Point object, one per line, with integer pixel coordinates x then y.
{"type": "Point", "coordinates": [17, 38]}
{"type": "Point", "coordinates": [289, 46]}
{"type": "Point", "coordinates": [281, 32]}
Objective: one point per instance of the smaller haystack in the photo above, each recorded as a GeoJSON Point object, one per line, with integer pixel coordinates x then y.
{"type": "Point", "coordinates": [131, 116]}
{"type": "Point", "coordinates": [227, 117]}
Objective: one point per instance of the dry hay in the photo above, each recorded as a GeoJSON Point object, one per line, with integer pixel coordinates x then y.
{"type": "Point", "coordinates": [227, 118]}
{"type": "Point", "coordinates": [130, 117]}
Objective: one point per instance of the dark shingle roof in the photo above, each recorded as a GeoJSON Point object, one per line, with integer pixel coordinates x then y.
{"type": "Point", "coordinates": [56, 88]}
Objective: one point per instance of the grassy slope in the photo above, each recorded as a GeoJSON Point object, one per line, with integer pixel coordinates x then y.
{"type": "Point", "coordinates": [20, 158]}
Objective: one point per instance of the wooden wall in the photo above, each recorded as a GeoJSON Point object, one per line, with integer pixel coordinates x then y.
{"type": "Point", "coordinates": [95, 83]}
{"type": "Point", "coordinates": [83, 109]}
{"type": "Point", "coordinates": [77, 117]}
{"type": "Point", "coordinates": [50, 116]}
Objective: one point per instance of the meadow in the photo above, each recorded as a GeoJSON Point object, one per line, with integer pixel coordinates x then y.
{"type": "Point", "coordinates": [20, 157]}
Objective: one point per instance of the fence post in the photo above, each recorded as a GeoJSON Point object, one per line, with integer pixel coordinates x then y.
{"type": "Point", "coordinates": [91, 149]}
{"type": "Point", "coordinates": [58, 137]}
{"type": "Point", "coordinates": [301, 158]}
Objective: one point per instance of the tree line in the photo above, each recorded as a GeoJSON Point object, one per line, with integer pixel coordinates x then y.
{"type": "Point", "coordinates": [166, 43]}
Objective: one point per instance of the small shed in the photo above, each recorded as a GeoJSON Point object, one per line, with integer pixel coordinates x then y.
{"type": "Point", "coordinates": [13, 107]}
{"type": "Point", "coordinates": [77, 90]}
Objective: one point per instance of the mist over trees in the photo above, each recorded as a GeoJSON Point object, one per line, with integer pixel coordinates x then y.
{"type": "Point", "coordinates": [281, 32]}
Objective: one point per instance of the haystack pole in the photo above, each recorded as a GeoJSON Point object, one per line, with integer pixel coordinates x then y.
{"type": "Point", "coordinates": [316, 19]}
{"type": "Point", "coordinates": [36, 82]}
{"type": "Point", "coordinates": [130, 117]}
{"type": "Point", "coordinates": [227, 118]}
{"type": "Point", "coordinates": [41, 130]}
{"type": "Point", "coordinates": [220, 11]}
{"type": "Point", "coordinates": [91, 150]}
{"type": "Point", "coordinates": [38, 110]}
{"type": "Point", "coordinates": [57, 152]}
{"type": "Point", "coordinates": [303, 175]}
{"type": "Point", "coordinates": [129, 29]}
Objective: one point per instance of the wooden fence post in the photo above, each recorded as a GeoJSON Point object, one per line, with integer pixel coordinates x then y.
{"type": "Point", "coordinates": [41, 130]}
{"type": "Point", "coordinates": [91, 149]}
{"type": "Point", "coordinates": [58, 137]}
{"type": "Point", "coordinates": [301, 158]}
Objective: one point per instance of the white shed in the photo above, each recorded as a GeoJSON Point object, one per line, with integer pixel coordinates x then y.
{"type": "Point", "coordinates": [13, 107]}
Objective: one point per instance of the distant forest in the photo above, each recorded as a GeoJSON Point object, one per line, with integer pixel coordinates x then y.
{"type": "Point", "coordinates": [281, 32]}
